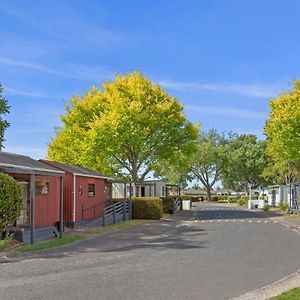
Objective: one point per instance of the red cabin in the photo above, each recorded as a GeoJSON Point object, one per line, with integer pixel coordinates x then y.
{"type": "Point", "coordinates": [42, 186]}
{"type": "Point", "coordinates": [85, 193]}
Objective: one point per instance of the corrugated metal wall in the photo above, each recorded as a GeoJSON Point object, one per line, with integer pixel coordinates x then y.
{"type": "Point", "coordinates": [68, 197]}
{"type": "Point", "coordinates": [47, 206]}
{"type": "Point", "coordinates": [85, 201]}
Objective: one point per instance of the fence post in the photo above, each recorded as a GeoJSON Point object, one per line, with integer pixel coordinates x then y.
{"type": "Point", "coordinates": [82, 212]}
{"type": "Point", "coordinates": [114, 213]}
{"type": "Point", "coordinates": [124, 210]}
{"type": "Point", "coordinates": [103, 217]}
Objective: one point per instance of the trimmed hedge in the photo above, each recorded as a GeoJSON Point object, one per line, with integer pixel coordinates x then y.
{"type": "Point", "coordinates": [10, 201]}
{"type": "Point", "coordinates": [168, 203]}
{"type": "Point", "coordinates": [149, 208]}
{"type": "Point", "coordinates": [193, 198]}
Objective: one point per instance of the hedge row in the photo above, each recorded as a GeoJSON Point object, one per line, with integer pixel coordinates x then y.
{"type": "Point", "coordinates": [10, 201]}
{"type": "Point", "coordinates": [193, 198]}
{"type": "Point", "coordinates": [168, 203]}
{"type": "Point", "coordinates": [224, 199]}
{"type": "Point", "coordinates": [149, 208]}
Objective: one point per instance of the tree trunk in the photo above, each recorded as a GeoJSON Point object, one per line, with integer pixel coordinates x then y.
{"type": "Point", "coordinates": [134, 172]}
{"type": "Point", "coordinates": [208, 191]}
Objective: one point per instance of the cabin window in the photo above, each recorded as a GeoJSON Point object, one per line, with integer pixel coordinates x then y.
{"type": "Point", "coordinates": [42, 187]}
{"type": "Point", "coordinates": [91, 190]}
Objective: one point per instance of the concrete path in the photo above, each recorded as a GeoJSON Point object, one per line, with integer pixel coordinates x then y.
{"type": "Point", "coordinates": [214, 252]}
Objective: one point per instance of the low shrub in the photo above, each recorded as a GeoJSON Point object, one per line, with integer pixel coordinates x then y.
{"type": "Point", "coordinates": [214, 198]}
{"type": "Point", "coordinates": [168, 203]}
{"type": "Point", "coordinates": [192, 198]}
{"type": "Point", "coordinates": [10, 201]}
{"type": "Point", "coordinates": [283, 206]}
{"type": "Point", "coordinates": [241, 202]}
{"type": "Point", "coordinates": [233, 199]}
{"type": "Point", "coordinates": [149, 208]}
{"type": "Point", "coordinates": [266, 207]}
{"type": "Point", "coordinates": [222, 201]}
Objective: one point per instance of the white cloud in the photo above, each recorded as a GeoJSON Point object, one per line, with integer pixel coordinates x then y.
{"type": "Point", "coordinates": [33, 94]}
{"type": "Point", "coordinates": [81, 72]}
{"type": "Point", "coordinates": [226, 112]}
{"type": "Point", "coordinates": [252, 90]}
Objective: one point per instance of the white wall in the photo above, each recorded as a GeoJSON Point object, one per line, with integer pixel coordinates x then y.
{"type": "Point", "coordinates": [118, 190]}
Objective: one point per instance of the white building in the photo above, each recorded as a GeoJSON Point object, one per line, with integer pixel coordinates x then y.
{"type": "Point", "coordinates": [149, 188]}
{"type": "Point", "coordinates": [279, 194]}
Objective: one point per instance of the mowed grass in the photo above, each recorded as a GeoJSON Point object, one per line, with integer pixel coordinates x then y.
{"type": "Point", "coordinates": [6, 243]}
{"type": "Point", "coordinates": [293, 294]}
{"type": "Point", "coordinates": [58, 242]}
{"type": "Point", "coordinates": [113, 228]}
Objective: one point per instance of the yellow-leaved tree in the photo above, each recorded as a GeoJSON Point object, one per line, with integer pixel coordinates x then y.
{"type": "Point", "coordinates": [124, 129]}
{"type": "Point", "coordinates": [283, 133]}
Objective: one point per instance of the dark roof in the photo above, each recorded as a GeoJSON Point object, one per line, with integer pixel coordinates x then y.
{"type": "Point", "coordinates": [11, 161]}
{"type": "Point", "coordinates": [74, 169]}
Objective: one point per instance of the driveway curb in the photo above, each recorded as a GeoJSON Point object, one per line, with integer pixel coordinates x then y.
{"type": "Point", "coordinates": [273, 289]}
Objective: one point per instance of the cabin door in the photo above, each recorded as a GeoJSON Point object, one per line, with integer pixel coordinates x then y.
{"type": "Point", "coordinates": [24, 215]}
{"type": "Point", "coordinates": [142, 191]}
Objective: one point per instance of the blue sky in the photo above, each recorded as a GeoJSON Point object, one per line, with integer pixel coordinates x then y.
{"type": "Point", "coordinates": [223, 59]}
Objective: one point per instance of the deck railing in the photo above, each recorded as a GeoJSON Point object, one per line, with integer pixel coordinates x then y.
{"type": "Point", "coordinates": [118, 212]}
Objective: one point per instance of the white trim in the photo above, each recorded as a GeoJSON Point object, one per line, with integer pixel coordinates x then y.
{"type": "Point", "coordinates": [93, 176]}
{"type": "Point", "coordinates": [30, 168]}
{"type": "Point", "coordinates": [74, 197]}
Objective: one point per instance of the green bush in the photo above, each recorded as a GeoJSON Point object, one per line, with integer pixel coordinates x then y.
{"type": "Point", "coordinates": [10, 201]}
{"type": "Point", "coordinates": [222, 201]}
{"type": "Point", "coordinates": [283, 206]}
{"type": "Point", "coordinates": [241, 202]}
{"type": "Point", "coordinates": [233, 199]}
{"type": "Point", "coordinates": [149, 208]}
{"type": "Point", "coordinates": [192, 198]}
{"type": "Point", "coordinates": [168, 203]}
{"type": "Point", "coordinates": [266, 207]}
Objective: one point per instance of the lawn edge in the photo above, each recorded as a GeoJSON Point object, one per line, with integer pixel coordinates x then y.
{"type": "Point", "coordinates": [274, 289]}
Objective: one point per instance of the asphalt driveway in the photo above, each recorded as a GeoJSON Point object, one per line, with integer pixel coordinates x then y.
{"type": "Point", "coordinates": [214, 252]}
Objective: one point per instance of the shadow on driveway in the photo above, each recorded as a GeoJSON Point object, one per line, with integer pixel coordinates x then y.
{"type": "Point", "coordinates": [165, 234]}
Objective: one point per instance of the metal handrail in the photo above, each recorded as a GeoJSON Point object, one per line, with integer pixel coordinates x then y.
{"type": "Point", "coordinates": [90, 207]}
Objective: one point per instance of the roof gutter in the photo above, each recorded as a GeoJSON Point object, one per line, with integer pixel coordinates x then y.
{"type": "Point", "coordinates": [29, 168]}
{"type": "Point", "coordinates": [89, 175]}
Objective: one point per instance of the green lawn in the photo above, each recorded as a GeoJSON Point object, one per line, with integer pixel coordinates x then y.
{"type": "Point", "coordinates": [6, 243]}
{"type": "Point", "coordinates": [293, 294]}
{"type": "Point", "coordinates": [51, 244]}
{"type": "Point", "coordinates": [114, 228]}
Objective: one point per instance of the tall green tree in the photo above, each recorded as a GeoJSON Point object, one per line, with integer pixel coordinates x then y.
{"type": "Point", "coordinates": [247, 159]}
{"type": "Point", "coordinates": [209, 160]}
{"type": "Point", "coordinates": [283, 132]}
{"type": "Point", "coordinates": [125, 129]}
{"type": "Point", "coordinates": [282, 172]}
{"type": "Point", "coordinates": [4, 110]}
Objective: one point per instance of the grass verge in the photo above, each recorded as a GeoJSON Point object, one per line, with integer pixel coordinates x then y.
{"type": "Point", "coordinates": [51, 244]}
{"type": "Point", "coordinates": [9, 241]}
{"type": "Point", "coordinates": [113, 228]}
{"type": "Point", "coordinates": [293, 294]}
